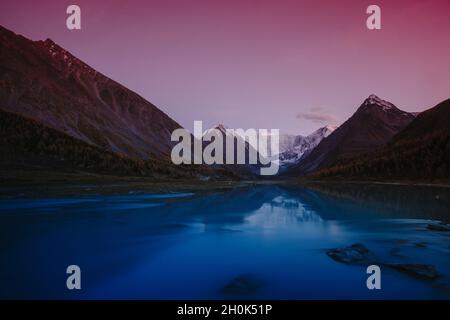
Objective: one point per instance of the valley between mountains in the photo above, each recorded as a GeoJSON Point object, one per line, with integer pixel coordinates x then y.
{"type": "Point", "coordinates": [58, 114]}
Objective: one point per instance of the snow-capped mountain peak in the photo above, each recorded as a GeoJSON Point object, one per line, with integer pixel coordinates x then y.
{"type": "Point", "coordinates": [323, 132]}
{"type": "Point", "coordinates": [292, 148]}
{"type": "Point", "coordinates": [374, 100]}
{"type": "Point", "coordinates": [300, 146]}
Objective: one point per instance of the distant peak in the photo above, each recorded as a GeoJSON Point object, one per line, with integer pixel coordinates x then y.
{"type": "Point", "coordinates": [327, 128]}
{"type": "Point", "coordinates": [374, 100]}
{"type": "Point", "coordinates": [323, 131]}
{"type": "Point", "coordinates": [220, 127]}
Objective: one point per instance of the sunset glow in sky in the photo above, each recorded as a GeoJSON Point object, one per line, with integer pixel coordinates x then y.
{"type": "Point", "coordinates": [291, 64]}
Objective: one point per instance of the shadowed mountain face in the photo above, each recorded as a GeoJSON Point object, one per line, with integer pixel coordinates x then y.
{"type": "Point", "coordinates": [429, 122]}
{"type": "Point", "coordinates": [374, 124]}
{"type": "Point", "coordinates": [27, 144]}
{"type": "Point", "coordinates": [42, 81]}
{"type": "Point", "coordinates": [419, 152]}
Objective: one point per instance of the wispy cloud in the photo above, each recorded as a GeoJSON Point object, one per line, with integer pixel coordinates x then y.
{"type": "Point", "coordinates": [317, 115]}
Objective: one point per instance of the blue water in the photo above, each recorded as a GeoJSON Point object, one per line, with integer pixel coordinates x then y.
{"type": "Point", "coordinates": [192, 245]}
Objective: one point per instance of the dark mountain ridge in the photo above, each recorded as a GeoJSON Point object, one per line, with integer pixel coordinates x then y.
{"type": "Point", "coordinates": [42, 81]}
{"type": "Point", "coordinates": [26, 143]}
{"type": "Point", "coordinates": [373, 124]}
{"type": "Point", "coordinates": [419, 152]}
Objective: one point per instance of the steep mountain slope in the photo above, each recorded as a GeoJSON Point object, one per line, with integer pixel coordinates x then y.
{"type": "Point", "coordinates": [429, 122]}
{"type": "Point", "coordinates": [420, 151]}
{"type": "Point", "coordinates": [42, 81]}
{"type": "Point", "coordinates": [25, 143]}
{"type": "Point", "coordinates": [374, 124]}
{"type": "Point", "coordinates": [300, 146]}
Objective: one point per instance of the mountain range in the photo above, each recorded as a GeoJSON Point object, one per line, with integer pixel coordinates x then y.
{"type": "Point", "coordinates": [295, 148]}
{"type": "Point", "coordinates": [58, 112]}
{"type": "Point", "coordinates": [419, 152]}
{"type": "Point", "coordinates": [373, 124]}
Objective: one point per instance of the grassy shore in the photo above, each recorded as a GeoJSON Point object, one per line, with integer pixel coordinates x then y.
{"type": "Point", "coordinates": [41, 183]}
{"type": "Point", "coordinates": [404, 182]}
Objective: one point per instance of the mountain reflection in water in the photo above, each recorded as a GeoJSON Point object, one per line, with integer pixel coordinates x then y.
{"type": "Point", "coordinates": [267, 241]}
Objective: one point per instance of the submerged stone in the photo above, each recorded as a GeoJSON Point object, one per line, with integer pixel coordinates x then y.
{"type": "Point", "coordinates": [242, 284]}
{"type": "Point", "coordinates": [438, 227]}
{"type": "Point", "coordinates": [353, 254]}
{"type": "Point", "coordinates": [421, 244]}
{"type": "Point", "coordinates": [419, 270]}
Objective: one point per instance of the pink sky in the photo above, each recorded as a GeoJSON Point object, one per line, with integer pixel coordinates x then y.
{"type": "Point", "coordinates": [293, 65]}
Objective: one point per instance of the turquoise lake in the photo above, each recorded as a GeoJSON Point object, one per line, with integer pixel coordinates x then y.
{"type": "Point", "coordinates": [255, 242]}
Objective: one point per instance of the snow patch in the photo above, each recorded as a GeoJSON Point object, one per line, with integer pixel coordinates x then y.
{"type": "Point", "coordinates": [302, 146]}
{"type": "Point", "coordinates": [374, 100]}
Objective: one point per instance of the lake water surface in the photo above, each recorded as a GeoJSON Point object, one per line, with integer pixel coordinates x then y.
{"type": "Point", "coordinates": [267, 241]}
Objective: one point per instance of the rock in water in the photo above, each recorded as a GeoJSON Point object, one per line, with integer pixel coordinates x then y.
{"type": "Point", "coordinates": [419, 270]}
{"type": "Point", "coordinates": [421, 244]}
{"type": "Point", "coordinates": [242, 284]}
{"type": "Point", "coordinates": [438, 227]}
{"type": "Point", "coordinates": [356, 253]}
